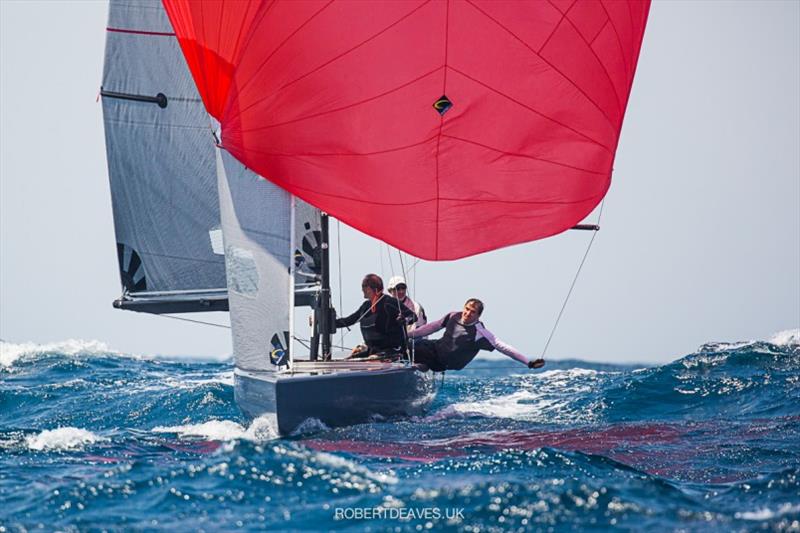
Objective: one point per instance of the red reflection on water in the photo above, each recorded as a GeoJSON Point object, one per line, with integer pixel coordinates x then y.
{"type": "Point", "coordinates": [595, 441]}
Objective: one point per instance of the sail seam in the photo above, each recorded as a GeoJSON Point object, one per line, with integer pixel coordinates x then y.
{"type": "Point", "coordinates": [354, 104]}
{"type": "Point", "coordinates": [537, 54]}
{"type": "Point", "coordinates": [619, 42]}
{"type": "Point", "coordinates": [320, 67]}
{"type": "Point", "coordinates": [153, 254]}
{"type": "Point", "coordinates": [275, 51]}
{"type": "Point", "coordinates": [350, 154]}
{"type": "Point", "coordinates": [596, 35]}
{"type": "Point", "coordinates": [437, 198]}
{"type": "Point", "coordinates": [602, 65]}
{"type": "Point", "coordinates": [558, 24]}
{"type": "Point", "coordinates": [532, 110]}
{"type": "Point", "coordinates": [525, 156]}
{"type": "Point", "coordinates": [155, 125]}
{"type": "Point", "coordinates": [441, 126]}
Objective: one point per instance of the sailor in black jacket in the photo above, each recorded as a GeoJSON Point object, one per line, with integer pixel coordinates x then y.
{"type": "Point", "coordinates": [381, 318]}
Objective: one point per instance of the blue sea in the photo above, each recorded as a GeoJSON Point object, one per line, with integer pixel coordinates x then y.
{"type": "Point", "coordinates": [91, 439]}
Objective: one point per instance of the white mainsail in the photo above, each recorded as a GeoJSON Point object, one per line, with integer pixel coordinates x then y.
{"type": "Point", "coordinates": [161, 164]}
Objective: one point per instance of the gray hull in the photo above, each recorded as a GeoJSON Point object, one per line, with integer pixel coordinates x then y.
{"type": "Point", "coordinates": [335, 394]}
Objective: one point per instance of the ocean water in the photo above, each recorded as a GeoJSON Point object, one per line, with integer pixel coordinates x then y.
{"type": "Point", "coordinates": [91, 439]}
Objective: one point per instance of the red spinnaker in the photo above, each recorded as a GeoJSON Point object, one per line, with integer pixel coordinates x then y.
{"type": "Point", "coordinates": [445, 128]}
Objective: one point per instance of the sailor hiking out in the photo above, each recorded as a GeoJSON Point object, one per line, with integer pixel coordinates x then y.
{"type": "Point", "coordinates": [464, 336]}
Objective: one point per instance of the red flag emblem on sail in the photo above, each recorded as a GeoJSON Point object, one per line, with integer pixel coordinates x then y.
{"type": "Point", "coordinates": [444, 128]}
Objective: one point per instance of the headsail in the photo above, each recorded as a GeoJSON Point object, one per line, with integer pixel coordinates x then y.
{"type": "Point", "coordinates": [161, 167]}
{"type": "Point", "coordinates": [445, 128]}
{"type": "Point", "coordinates": [261, 254]}
{"type": "Point", "coordinates": [256, 225]}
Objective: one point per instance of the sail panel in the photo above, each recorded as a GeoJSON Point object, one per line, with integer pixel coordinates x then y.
{"type": "Point", "coordinates": [446, 129]}
{"type": "Point", "coordinates": [256, 227]}
{"type": "Point", "coordinates": [161, 163]}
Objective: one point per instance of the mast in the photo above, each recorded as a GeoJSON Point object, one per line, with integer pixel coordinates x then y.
{"type": "Point", "coordinates": [292, 266]}
{"type": "Point", "coordinates": [326, 325]}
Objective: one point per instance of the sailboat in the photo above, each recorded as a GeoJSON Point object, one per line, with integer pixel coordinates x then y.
{"type": "Point", "coordinates": [443, 128]}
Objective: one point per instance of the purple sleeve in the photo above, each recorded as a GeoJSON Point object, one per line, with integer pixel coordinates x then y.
{"type": "Point", "coordinates": [430, 327]}
{"type": "Point", "coordinates": [501, 347]}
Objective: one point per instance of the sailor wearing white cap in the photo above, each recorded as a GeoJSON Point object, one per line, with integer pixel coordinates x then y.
{"type": "Point", "coordinates": [398, 289]}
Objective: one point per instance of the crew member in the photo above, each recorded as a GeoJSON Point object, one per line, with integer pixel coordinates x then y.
{"type": "Point", "coordinates": [382, 320]}
{"type": "Point", "coordinates": [464, 336]}
{"type": "Point", "coordinates": [399, 289]}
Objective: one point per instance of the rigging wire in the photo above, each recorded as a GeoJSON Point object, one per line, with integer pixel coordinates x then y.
{"type": "Point", "coordinates": [414, 265]}
{"type": "Point", "coordinates": [389, 255]}
{"type": "Point", "coordinates": [405, 331]}
{"type": "Point", "coordinates": [402, 264]}
{"type": "Point", "coordinates": [380, 255]}
{"type": "Point", "coordinates": [196, 321]}
{"type": "Point", "coordinates": [305, 343]}
{"type": "Point", "coordinates": [574, 280]}
{"type": "Point", "coordinates": [339, 256]}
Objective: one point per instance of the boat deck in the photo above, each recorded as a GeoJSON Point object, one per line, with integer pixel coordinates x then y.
{"type": "Point", "coordinates": [341, 365]}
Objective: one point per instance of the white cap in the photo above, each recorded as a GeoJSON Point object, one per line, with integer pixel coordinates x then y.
{"type": "Point", "coordinates": [395, 281]}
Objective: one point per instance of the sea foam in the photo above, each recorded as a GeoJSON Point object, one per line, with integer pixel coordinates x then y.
{"type": "Point", "coordinates": [11, 352]}
{"type": "Point", "coordinates": [67, 438]}
{"type": "Point", "coordinates": [766, 513]}
{"type": "Point", "coordinates": [260, 430]}
{"type": "Point", "coordinates": [787, 337]}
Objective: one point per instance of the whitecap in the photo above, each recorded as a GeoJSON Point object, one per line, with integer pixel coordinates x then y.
{"type": "Point", "coordinates": [165, 381]}
{"type": "Point", "coordinates": [767, 513]}
{"type": "Point", "coordinates": [568, 373]}
{"type": "Point", "coordinates": [338, 462]}
{"type": "Point", "coordinates": [11, 352]}
{"type": "Point", "coordinates": [260, 430]}
{"type": "Point", "coordinates": [520, 405]}
{"type": "Point", "coordinates": [715, 347]}
{"type": "Point", "coordinates": [788, 337]}
{"type": "Point", "coordinates": [68, 438]}
{"type": "Point", "coordinates": [310, 425]}
{"type": "Point", "coordinates": [546, 396]}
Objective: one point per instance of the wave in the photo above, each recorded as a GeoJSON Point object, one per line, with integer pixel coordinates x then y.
{"type": "Point", "coordinates": [552, 396]}
{"type": "Point", "coordinates": [260, 429]}
{"type": "Point", "coordinates": [66, 438]}
{"type": "Point", "coordinates": [788, 337]}
{"type": "Point", "coordinates": [735, 379]}
{"type": "Point", "coordinates": [10, 352]}
{"type": "Point", "coordinates": [765, 513]}
{"type": "Point", "coordinates": [741, 379]}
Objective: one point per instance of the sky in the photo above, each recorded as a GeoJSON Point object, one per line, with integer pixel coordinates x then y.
{"type": "Point", "coordinates": [700, 237]}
